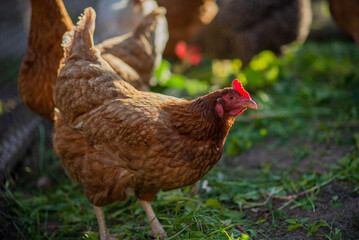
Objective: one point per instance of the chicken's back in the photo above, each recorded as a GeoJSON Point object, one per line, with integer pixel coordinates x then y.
{"type": "Point", "coordinates": [85, 80]}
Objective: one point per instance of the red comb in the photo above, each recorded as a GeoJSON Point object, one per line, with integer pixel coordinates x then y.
{"type": "Point", "coordinates": [237, 85]}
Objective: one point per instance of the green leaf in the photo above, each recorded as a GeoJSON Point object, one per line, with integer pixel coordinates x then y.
{"type": "Point", "coordinates": [304, 220]}
{"type": "Point", "coordinates": [314, 226]}
{"type": "Point", "coordinates": [337, 231]}
{"type": "Point", "coordinates": [244, 237]}
{"type": "Point", "coordinates": [294, 226]}
{"type": "Point", "coordinates": [196, 234]}
{"type": "Point", "coordinates": [291, 221]}
{"type": "Point", "coordinates": [212, 203]}
{"type": "Point", "coordinates": [337, 205]}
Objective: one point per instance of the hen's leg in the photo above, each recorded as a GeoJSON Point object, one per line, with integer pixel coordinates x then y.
{"type": "Point", "coordinates": [157, 229]}
{"type": "Point", "coordinates": [102, 229]}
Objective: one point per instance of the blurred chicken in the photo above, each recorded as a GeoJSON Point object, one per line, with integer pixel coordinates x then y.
{"type": "Point", "coordinates": [132, 56]}
{"type": "Point", "coordinates": [115, 140]}
{"type": "Point", "coordinates": [185, 17]}
{"type": "Point", "coordinates": [119, 17]}
{"type": "Point", "coordinates": [244, 28]}
{"type": "Point", "coordinates": [346, 14]}
{"type": "Point", "coordinates": [38, 71]}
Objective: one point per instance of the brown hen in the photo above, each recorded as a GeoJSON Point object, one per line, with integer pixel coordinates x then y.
{"type": "Point", "coordinates": [115, 140]}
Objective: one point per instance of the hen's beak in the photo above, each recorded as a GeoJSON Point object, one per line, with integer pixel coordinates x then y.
{"type": "Point", "coordinates": [242, 105]}
{"type": "Point", "coordinates": [250, 104]}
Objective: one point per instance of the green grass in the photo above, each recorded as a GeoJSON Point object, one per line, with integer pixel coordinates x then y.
{"type": "Point", "coordinates": [308, 98]}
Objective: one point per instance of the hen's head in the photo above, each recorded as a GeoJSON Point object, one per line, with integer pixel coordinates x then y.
{"type": "Point", "coordinates": [234, 101]}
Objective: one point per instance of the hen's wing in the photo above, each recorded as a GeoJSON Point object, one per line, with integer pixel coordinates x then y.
{"type": "Point", "coordinates": [128, 128]}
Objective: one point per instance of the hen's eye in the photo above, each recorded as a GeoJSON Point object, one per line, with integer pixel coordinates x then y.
{"type": "Point", "coordinates": [231, 97]}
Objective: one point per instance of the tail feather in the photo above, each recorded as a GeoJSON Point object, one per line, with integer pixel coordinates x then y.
{"type": "Point", "coordinates": [81, 35]}
{"type": "Point", "coordinates": [148, 24]}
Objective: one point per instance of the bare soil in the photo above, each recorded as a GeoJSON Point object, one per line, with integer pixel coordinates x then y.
{"type": "Point", "coordinates": [345, 217]}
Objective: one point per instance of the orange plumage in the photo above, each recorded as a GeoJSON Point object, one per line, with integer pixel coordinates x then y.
{"type": "Point", "coordinates": [38, 71]}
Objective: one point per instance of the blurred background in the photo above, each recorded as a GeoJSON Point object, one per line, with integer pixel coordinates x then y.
{"type": "Point", "coordinates": [299, 66]}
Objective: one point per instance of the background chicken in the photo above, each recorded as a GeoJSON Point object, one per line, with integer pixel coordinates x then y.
{"type": "Point", "coordinates": [132, 56]}
{"type": "Point", "coordinates": [244, 28]}
{"type": "Point", "coordinates": [346, 14]}
{"type": "Point", "coordinates": [38, 71]}
{"type": "Point", "coordinates": [185, 18]}
{"type": "Point", "coordinates": [119, 17]}
{"type": "Point", "coordinates": [115, 140]}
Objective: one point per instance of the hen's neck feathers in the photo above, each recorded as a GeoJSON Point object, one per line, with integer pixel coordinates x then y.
{"type": "Point", "coordinates": [199, 119]}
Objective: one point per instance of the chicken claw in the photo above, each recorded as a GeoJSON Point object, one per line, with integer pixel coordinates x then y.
{"type": "Point", "coordinates": [110, 236]}
{"type": "Point", "coordinates": [157, 229]}
{"type": "Point", "coordinates": [160, 235]}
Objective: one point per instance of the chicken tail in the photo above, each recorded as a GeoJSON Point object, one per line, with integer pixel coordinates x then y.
{"type": "Point", "coordinates": [81, 35]}
{"type": "Point", "coordinates": [148, 24]}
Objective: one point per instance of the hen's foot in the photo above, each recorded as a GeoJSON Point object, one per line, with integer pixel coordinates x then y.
{"type": "Point", "coordinates": [157, 229]}
{"type": "Point", "coordinates": [161, 235]}
{"type": "Point", "coordinates": [109, 236]}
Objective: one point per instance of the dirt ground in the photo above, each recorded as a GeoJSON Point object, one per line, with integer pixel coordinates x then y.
{"type": "Point", "coordinates": [345, 217]}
